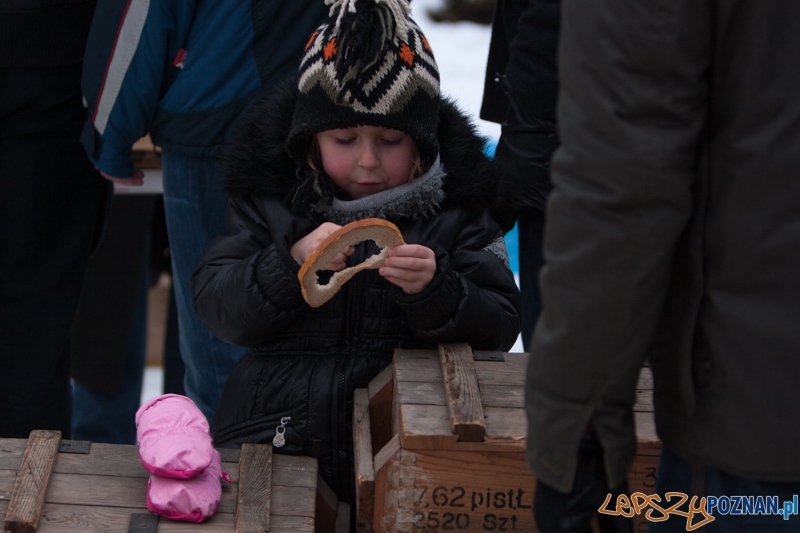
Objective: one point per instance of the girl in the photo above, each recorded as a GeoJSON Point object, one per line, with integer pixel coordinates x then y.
{"type": "Point", "coordinates": [361, 133]}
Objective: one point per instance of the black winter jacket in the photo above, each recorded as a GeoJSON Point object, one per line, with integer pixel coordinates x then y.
{"type": "Point", "coordinates": [306, 362]}
{"type": "Point", "coordinates": [520, 93]}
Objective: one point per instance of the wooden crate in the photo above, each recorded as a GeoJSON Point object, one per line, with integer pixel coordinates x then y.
{"type": "Point", "coordinates": [42, 483]}
{"type": "Point", "coordinates": [440, 444]}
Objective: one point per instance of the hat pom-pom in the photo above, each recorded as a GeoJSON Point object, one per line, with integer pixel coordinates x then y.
{"type": "Point", "coordinates": [364, 29]}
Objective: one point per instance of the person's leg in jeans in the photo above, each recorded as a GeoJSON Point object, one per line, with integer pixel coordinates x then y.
{"type": "Point", "coordinates": [174, 369]}
{"type": "Point", "coordinates": [52, 204]}
{"type": "Point", "coordinates": [530, 227]}
{"type": "Point", "coordinates": [676, 474]}
{"type": "Point", "coordinates": [195, 204]}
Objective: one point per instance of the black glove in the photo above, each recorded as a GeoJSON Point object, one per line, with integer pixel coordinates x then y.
{"type": "Point", "coordinates": [523, 152]}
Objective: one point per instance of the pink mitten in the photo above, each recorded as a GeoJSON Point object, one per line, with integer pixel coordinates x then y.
{"type": "Point", "coordinates": [174, 437]}
{"type": "Point", "coordinates": [190, 500]}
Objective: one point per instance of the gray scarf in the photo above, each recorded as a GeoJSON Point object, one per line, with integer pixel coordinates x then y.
{"type": "Point", "coordinates": [417, 198]}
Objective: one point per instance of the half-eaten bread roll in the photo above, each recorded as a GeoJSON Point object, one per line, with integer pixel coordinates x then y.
{"type": "Point", "coordinates": [384, 233]}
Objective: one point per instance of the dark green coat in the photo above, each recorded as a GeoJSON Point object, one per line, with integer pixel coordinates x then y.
{"type": "Point", "coordinates": [673, 235]}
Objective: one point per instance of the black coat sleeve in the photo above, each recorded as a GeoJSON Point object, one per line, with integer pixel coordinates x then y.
{"type": "Point", "coordinates": [522, 75]}
{"type": "Point", "coordinates": [473, 296]}
{"type": "Point", "coordinates": [246, 288]}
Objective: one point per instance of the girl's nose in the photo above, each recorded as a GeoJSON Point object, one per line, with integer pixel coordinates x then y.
{"type": "Point", "coordinates": [368, 158]}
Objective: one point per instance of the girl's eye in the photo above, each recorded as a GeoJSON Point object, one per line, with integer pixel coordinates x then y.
{"type": "Point", "coordinates": [345, 141]}
{"type": "Point", "coordinates": [392, 142]}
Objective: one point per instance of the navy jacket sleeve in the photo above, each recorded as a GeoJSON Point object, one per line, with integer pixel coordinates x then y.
{"type": "Point", "coordinates": [128, 61]}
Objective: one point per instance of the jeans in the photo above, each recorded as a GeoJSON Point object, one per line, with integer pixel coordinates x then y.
{"type": "Point", "coordinates": [52, 205]}
{"type": "Point", "coordinates": [680, 475]}
{"type": "Point", "coordinates": [195, 204]}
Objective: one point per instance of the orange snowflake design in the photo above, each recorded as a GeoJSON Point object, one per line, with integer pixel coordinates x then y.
{"type": "Point", "coordinates": [330, 49]}
{"type": "Point", "coordinates": [406, 54]}
{"type": "Point", "coordinates": [425, 43]}
{"type": "Point", "coordinates": [311, 39]}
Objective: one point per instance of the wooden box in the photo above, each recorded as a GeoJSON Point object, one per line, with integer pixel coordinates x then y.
{"type": "Point", "coordinates": [440, 444]}
{"type": "Point", "coordinates": [46, 487]}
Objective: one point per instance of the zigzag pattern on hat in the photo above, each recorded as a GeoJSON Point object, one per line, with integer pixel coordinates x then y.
{"type": "Point", "coordinates": [384, 84]}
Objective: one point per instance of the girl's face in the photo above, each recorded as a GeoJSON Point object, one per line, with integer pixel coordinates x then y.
{"type": "Point", "coordinates": [366, 159]}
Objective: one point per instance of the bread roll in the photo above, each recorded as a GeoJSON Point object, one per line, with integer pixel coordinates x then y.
{"type": "Point", "coordinates": [386, 236]}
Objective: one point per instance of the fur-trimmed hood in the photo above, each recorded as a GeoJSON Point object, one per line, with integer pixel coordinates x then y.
{"type": "Point", "coordinates": [257, 162]}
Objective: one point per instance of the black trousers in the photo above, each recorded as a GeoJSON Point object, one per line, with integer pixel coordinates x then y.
{"type": "Point", "coordinates": [556, 512]}
{"type": "Point", "coordinates": [530, 228]}
{"type": "Point", "coordinates": [52, 205]}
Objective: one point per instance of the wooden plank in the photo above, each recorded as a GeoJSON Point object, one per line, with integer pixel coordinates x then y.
{"type": "Point", "coordinates": [255, 486]}
{"type": "Point", "coordinates": [144, 155]}
{"type": "Point", "coordinates": [381, 395]}
{"type": "Point", "coordinates": [417, 365]}
{"type": "Point", "coordinates": [380, 381]}
{"type": "Point", "coordinates": [325, 508]}
{"type": "Point", "coordinates": [427, 427]}
{"type": "Point", "coordinates": [462, 392]}
{"type": "Point", "coordinates": [294, 471]}
{"type": "Point", "coordinates": [86, 502]}
{"type": "Point", "coordinates": [507, 428]}
{"type": "Point", "coordinates": [647, 441]}
{"type": "Point", "coordinates": [11, 452]}
{"type": "Point", "coordinates": [60, 518]}
{"type": "Point", "coordinates": [510, 372]}
{"type": "Point", "coordinates": [296, 495]}
{"type": "Point", "coordinates": [387, 471]}
{"type": "Point", "coordinates": [645, 380]}
{"type": "Point", "coordinates": [100, 491]}
{"type": "Point", "coordinates": [30, 487]}
{"type": "Point", "coordinates": [436, 493]}
{"type": "Point", "coordinates": [424, 393]}
{"type": "Point", "coordinates": [120, 460]}
{"type": "Point", "coordinates": [365, 472]}
{"type": "Point", "coordinates": [644, 391]}
{"type": "Point", "coordinates": [104, 459]}
{"type": "Point", "coordinates": [343, 518]}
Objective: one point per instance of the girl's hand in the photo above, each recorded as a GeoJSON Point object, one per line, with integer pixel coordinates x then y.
{"type": "Point", "coordinates": [410, 266]}
{"type": "Point", "coordinates": [306, 246]}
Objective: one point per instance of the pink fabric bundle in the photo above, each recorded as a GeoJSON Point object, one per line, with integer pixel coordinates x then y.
{"type": "Point", "coordinates": [190, 500]}
{"type": "Point", "coordinates": [174, 437]}
{"type": "Point", "coordinates": [175, 446]}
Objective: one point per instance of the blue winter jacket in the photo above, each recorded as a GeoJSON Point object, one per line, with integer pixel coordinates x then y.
{"type": "Point", "coordinates": [184, 70]}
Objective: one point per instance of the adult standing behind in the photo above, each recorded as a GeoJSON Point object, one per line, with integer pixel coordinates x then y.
{"type": "Point", "coordinates": [184, 71]}
{"type": "Point", "coordinates": [52, 204]}
{"type": "Point", "coordinates": [520, 93]}
{"type": "Point", "coordinates": [674, 236]}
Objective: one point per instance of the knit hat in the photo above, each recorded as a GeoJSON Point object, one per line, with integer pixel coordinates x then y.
{"type": "Point", "coordinates": [367, 64]}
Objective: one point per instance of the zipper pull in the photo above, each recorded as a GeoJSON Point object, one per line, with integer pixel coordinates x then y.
{"type": "Point", "coordinates": [279, 440]}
